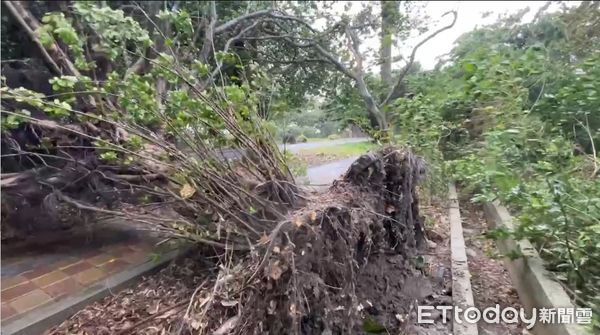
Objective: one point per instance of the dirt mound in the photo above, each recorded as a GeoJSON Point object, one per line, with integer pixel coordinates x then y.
{"type": "Point", "coordinates": [345, 264]}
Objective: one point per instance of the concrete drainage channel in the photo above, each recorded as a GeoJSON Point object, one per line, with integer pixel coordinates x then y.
{"type": "Point", "coordinates": [462, 294]}
{"type": "Point", "coordinates": [42, 318]}
{"type": "Point", "coordinates": [534, 286]}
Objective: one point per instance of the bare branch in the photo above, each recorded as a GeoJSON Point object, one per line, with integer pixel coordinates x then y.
{"type": "Point", "coordinates": [57, 54]}
{"type": "Point", "coordinates": [411, 60]}
{"type": "Point", "coordinates": [217, 70]}
{"type": "Point", "coordinates": [294, 19]}
{"type": "Point", "coordinates": [234, 22]}
{"type": "Point", "coordinates": [338, 65]}
{"type": "Point", "coordinates": [354, 47]}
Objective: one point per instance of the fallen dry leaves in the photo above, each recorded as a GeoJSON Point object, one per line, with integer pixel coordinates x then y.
{"type": "Point", "coordinates": [490, 280]}
{"type": "Point", "coordinates": [152, 306]}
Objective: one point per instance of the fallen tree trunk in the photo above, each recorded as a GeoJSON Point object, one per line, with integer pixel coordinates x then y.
{"type": "Point", "coordinates": [84, 160]}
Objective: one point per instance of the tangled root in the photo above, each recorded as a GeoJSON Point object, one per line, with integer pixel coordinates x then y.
{"type": "Point", "coordinates": [333, 264]}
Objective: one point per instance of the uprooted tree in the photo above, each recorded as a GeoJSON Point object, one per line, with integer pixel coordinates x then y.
{"type": "Point", "coordinates": [108, 128]}
{"type": "Point", "coordinates": [141, 105]}
{"type": "Point", "coordinates": [134, 89]}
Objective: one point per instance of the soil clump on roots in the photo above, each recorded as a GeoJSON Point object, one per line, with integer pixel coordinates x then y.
{"type": "Point", "coordinates": [343, 264]}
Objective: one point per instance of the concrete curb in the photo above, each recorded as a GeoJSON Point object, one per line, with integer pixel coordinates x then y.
{"type": "Point", "coordinates": [462, 294]}
{"type": "Point", "coordinates": [40, 319]}
{"type": "Point", "coordinates": [531, 279]}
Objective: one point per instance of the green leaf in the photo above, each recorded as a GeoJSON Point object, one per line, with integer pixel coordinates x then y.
{"type": "Point", "coordinates": [469, 68]}
{"type": "Point", "coordinates": [109, 156]}
{"type": "Point", "coordinates": [372, 327]}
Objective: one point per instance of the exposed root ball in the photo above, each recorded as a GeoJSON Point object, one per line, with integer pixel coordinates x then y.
{"type": "Point", "coordinates": [338, 262]}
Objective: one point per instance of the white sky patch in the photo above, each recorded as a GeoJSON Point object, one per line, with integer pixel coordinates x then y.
{"type": "Point", "coordinates": [470, 16]}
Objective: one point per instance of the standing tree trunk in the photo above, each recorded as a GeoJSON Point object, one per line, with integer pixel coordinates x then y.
{"type": "Point", "coordinates": [389, 15]}
{"type": "Point", "coordinates": [376, 115]}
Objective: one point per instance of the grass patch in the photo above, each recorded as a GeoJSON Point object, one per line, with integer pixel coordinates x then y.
{"type": "Point", "coordinates": [329, 153]}
{"type": "Point", "coordinates": [297, 165]}
{"type": "Point", "coordinates": [342, 150]}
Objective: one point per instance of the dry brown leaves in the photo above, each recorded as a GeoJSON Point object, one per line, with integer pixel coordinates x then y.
{"type": "Point", "coordinates": [153, 306]}
{"type": "Point", "coordinates": [490, 280]}
{"type": "Point", "coordinates": [437, 230]}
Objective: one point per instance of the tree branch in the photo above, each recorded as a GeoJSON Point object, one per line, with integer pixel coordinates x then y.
{"type": "Point", "coordinates": [209, 34]}
{"type": "Point", "coordinates": [137, 67]}
{"type": "Point", "coordinates": [19, 13]}
{"type": "Point", "coordinates": [411, 60]}
{"type": "Point", "coordinates": [354, 47]}
{"type": "Point", "coordinates": [336, 63]}
{"type": "Point", "coordinates": [31, 25]}
{"type": "Point", "coordinates": [311, 42]}
{"type": "Point", "coordinates": [541, 11]}
{"type": "Point", "coordinates": [234, 22]}
{"type": "Point", "coordinates": [226, 48]}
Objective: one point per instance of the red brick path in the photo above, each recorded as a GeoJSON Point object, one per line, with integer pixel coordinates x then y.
{"type": "Point", "coordinates": [48, 283]}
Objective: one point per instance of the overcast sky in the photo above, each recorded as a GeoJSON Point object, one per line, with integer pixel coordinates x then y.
{"type": "Point", "coordinates": [469, 17]}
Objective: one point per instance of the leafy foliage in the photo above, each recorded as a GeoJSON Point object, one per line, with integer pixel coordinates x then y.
{"type": "Point", "coordinates": [164, 123]}
{"type": "Point", "coordinates": [514, 117]}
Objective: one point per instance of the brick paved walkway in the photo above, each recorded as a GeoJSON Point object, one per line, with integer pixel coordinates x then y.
{"type": "Point", "coordinates": [48, 273]}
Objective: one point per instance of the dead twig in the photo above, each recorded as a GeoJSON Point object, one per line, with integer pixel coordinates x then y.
{"type": "Point", "coordinates": [150, 318]}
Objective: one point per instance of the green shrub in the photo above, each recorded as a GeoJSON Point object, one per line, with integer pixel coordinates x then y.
{"type": "Point", "coordinates": [310, 132]}
{"type": "Point", "coordinates": [333, 137]}
{"type": "Point", "coordinates": [519, 124]}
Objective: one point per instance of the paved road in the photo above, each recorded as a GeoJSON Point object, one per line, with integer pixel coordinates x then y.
{"type": "Point", "coordinates": [327, 173]}
{"type": "Point", "coordinates": [325, 143]}
{"type": "Point", "coordinates": [319, 178]}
